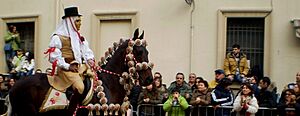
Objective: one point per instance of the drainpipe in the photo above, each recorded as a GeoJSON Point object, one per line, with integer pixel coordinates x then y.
{"type": "Point", "coordinates": [191, 34]}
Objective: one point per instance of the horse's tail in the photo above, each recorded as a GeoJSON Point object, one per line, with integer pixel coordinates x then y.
{"type": "Point", "coordinates": [9, 108]}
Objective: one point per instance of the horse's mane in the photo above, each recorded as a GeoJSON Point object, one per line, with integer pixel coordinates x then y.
{"type": "Point", "coordinates": [123, 63]}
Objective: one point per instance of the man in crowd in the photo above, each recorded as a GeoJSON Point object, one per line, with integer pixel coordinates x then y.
{"type": "Point", "coordinates": [184, 89]}
{"type": "Point", "coordinates": [219, 74]}
{"type": "Point", "coordinates": [267, 95]}
{"type": "Point", "coordinates": [192, 80]}
{"type": "Point", "coordinates": [236, 65]}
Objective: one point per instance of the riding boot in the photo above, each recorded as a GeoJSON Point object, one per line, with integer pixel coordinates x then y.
{"type": "Point", "coordinates": [74, 101]}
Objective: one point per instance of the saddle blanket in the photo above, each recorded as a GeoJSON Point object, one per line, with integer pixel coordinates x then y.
{"type": "Point", "coordinates": [54, 100]}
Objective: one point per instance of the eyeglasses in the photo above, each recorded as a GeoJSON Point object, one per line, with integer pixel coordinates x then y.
{"type": "Point", "coordinates": [197, 81]}
{"type": "Point", "coordinates": [192, 77]}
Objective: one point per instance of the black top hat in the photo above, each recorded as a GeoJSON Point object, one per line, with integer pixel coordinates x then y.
{"type": "Point", "coordinates": [71, 11]}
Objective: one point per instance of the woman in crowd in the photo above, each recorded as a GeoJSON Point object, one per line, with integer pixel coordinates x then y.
{"type": "Point", "coordinates": [245, 103]}
{"type": "Point", "coordinates": [11, 83]}
{"type": "Point", "coordinates": [18, 61]}
{"type": "Point", "coordinates": [160, 87]}
{"type": "Point", "coordinates": [195, 86]}
{"type": "Point", "coordinates": [3, 87]}
{"type": "Point", "coordinates": [201, 97]}
{"type": "Point", "coordinates": [150, 95]}
{"type": "Point", "coordinates": [12, 44]}
{"type": "Point", "coordinates": [289, 101]}
{"type": "Point", "coordinates": [28, 64]}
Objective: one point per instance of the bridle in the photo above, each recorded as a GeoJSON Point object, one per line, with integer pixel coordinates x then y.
{"type": "Point", "coordinates": [126, 78]}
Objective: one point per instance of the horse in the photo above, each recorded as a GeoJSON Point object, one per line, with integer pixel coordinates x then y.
{"type": "Point", "coordinates": [123, 63]}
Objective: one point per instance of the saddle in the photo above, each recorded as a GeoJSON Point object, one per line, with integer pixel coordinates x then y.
{"type": "Point", "coordinates": [56, 98]}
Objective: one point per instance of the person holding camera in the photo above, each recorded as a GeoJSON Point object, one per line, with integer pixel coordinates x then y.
{"type": "Point", "coordinates": [12, 44]}
{"type": "Point", "coordinates": [176, 104]}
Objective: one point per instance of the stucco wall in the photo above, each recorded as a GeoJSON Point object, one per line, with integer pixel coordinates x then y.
{"type": "Point", "coordinates": [45, 11]}
{"type": "Point", "coordinates": [167, 25]}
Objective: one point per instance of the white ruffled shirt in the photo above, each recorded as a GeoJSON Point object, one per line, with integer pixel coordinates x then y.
{"type": "Point", "coordinates": [80, 49]}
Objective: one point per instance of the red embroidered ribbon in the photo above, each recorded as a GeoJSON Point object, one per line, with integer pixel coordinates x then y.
{"type": "Point", "coordinates": [53, 67]}
{"type": "Point", "coordinates": [49, 51]}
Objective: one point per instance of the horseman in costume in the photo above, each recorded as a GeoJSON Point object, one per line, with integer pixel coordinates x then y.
{"type": "Point", "coordinates": [68, 51]}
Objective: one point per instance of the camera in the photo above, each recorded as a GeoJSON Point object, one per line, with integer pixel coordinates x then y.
{"type": "Point", "coordinates": [175, 102]}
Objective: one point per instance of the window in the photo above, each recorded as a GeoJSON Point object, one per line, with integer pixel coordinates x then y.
{"type": "Point", "coordinates": [251, 29]}
{"type": "Point", "coordinates": [249, 34]}
{"type": "Point", "coordinates": [109, 27]}
{"type": "Point", "coordinates": [27, 26]}
{"type": "Point", "coordinates": [26, 31]}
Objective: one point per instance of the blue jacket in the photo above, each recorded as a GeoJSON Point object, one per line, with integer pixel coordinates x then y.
{"type": "Point", "coordinates": [221, 96]}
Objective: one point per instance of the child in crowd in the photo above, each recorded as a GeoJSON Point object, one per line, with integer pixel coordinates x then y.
{"type": "Point", "coordinates": [176, 104]}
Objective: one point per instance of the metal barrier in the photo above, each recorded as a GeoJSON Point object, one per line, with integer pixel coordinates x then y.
{"type": "Point", "coordinates": [3, 107]}
{"type": "Point", "coordinates": [157, 110]}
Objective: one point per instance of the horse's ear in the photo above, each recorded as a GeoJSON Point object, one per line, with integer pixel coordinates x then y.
{"type": "Point", "coordinates": [136, 34]}
{"type": "Point", "coordinates": [142, 36]}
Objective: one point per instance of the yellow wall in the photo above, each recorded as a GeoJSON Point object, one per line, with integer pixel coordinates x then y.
{"type": "Point", "coordinates": [173, 46]}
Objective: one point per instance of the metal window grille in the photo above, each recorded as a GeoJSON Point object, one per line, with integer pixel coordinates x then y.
{"type": "Point", "coordinates": [249, 34]}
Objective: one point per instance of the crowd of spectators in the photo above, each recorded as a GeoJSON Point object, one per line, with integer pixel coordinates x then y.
{"type": "Point", "coordinates": [255, 91]}
{"type": "Point", "coordinates": [252, 94]}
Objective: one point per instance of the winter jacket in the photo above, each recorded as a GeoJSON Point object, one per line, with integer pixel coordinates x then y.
{"type": "Point", "coordinates": [230, 64]}
{"type": "Point", "coordinates": [134, 95]}
{"type": "Point", "coordinates": [204, 96]}
{"type": "Point", "coordinates": [13, 40]}
{"type": "Point", "coordinates": [267, 98]}
{"type": "Point", "coordinates": [177, 110]}
{"type": "Point", "coordinates": [213, 84]}
{"type": "Point", "coordinates": [154, 97]}
{"type": "Point", "coordinates": [184, 89]}
{"type": "Point", "coordinates": [252, 106]}
{"type": "Point", "coordinates": [221, 96]}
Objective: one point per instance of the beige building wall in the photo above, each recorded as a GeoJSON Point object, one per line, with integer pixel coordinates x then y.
{"type": "Point", "coordinates": [180, 39]}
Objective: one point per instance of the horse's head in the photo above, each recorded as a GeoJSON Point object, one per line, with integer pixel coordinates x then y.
{"type": "Point", "coordinates": [134, 54]}
{"type": "Point", "coordinates": [140, 57]}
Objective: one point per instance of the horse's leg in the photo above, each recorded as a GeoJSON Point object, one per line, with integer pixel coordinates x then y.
{"type": "Point", "coordinates": [74, 101]}
{"type": "Point", "coordinates": [30, 110]}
